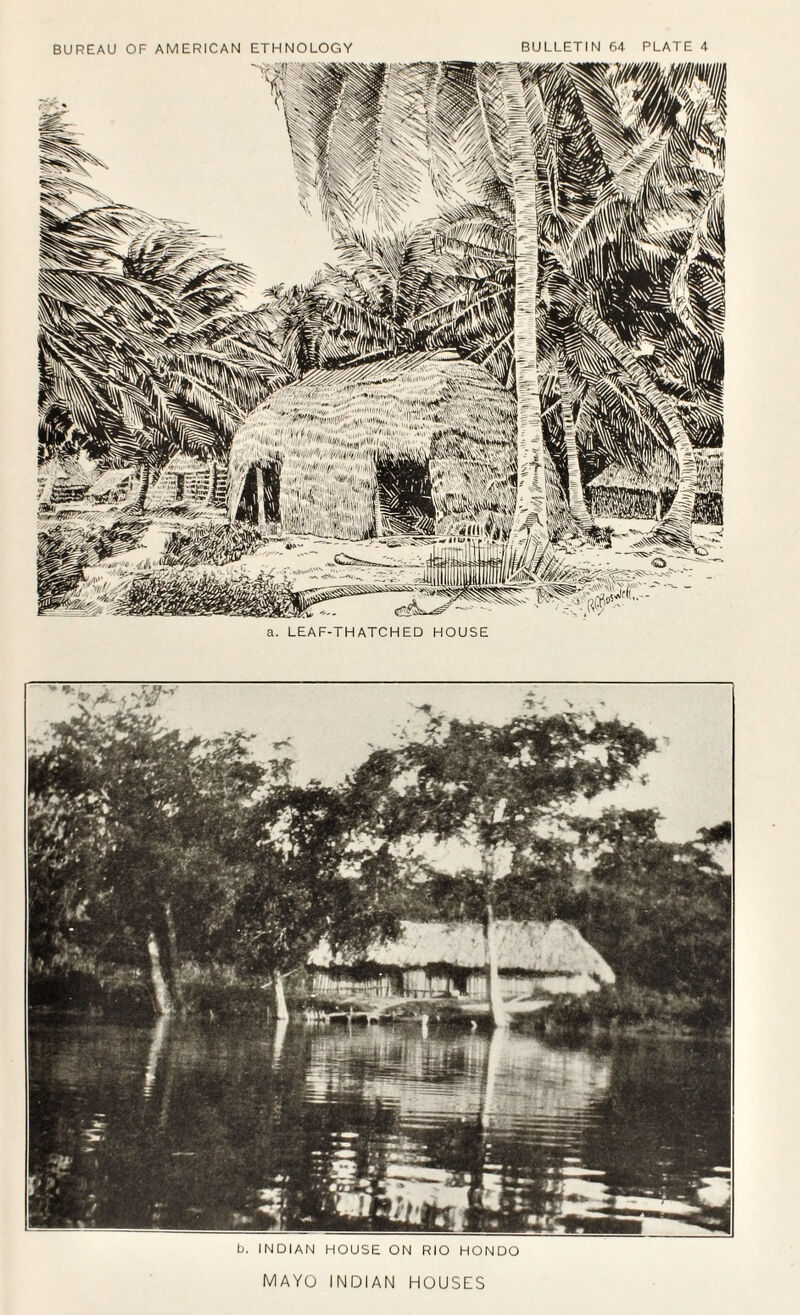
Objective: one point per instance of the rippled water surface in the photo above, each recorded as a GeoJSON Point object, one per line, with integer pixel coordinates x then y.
{"type": "Point", "coordinates": [218, 1126]}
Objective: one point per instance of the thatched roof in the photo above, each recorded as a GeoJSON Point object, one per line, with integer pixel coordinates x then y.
{"type": "Point", "coordinates": [537, 947]}
{"type": "Point", "coordinates": [661, 473]}
{"type": "Point", "coordinates": [110, 480]}
{"type": "Point", "coordinates": [330, 428]}
{"type": "Point", "coordinates": [61, 472]}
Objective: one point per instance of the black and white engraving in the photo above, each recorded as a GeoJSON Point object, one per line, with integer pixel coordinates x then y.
{"type": "Point", "coordinates": [448, 958]}
{"type": "Point", "coordinates": [505, 383]}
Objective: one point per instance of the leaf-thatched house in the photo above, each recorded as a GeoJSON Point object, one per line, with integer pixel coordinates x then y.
{"type": "Point", "coordinates": [449, 958]}
{"type": "Point", "coordinates": [62, 479]}
{"type": "Point", "coordinates": [420, 443]}
{"type": "Point", "coordinates": [626, 489]}
{"type": "Point", "coordinates": [115, 485]}
{"type": "Point", "coordinates": [187, 480]}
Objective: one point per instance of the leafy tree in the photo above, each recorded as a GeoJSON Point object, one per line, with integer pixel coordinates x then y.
{"type": "Point", "coordinates": [508, 792]}
{"type": "Point", "coordinates": [660, 910]}
{"type": "Point", "coordinates": [307, 878]}
{"type": "Point", "coordinates": [135, 834]}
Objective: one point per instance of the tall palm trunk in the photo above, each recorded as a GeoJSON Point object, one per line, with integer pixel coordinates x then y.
{"type": "Point", "coordinates": [675, 530]}
{"type": "Point", "coordinates": [577, 501]}
{"type": "Point", "coordinates": [529, 525]}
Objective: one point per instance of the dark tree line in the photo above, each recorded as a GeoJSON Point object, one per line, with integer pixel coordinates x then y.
{"type": "Point", "coordinates": [153, 848]}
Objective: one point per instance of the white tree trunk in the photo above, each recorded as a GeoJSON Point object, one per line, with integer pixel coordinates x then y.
{"type": "Point", "coordinates": [162, 996]}
{"type": "Point", "coordinates": [281, 1010]}
{"type": "Point", "coordinates": [529, 525]}
{"type": "Point", "coordinates": [500, 1015]}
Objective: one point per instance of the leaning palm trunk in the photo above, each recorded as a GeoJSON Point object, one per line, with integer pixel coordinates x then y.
{"type": "Point", "coordinates": [675, 530]}
{"type": "Point", "coordinates": [577, 501]}
{"type": "Point", "coordinates": [144, 485]}
{"type": "Point", "coordinates": [529, 525]}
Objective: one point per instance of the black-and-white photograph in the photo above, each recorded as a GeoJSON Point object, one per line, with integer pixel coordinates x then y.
{"type": "Point", "coordinates": [392, 957]}
{"type": "Point", "coordinates": [402, 337]}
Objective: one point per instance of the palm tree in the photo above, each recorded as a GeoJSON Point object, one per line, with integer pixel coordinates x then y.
{"type": "Point", "coordinates": [368, 138]}
{"type": "Point", "coordinates": [144, 345]}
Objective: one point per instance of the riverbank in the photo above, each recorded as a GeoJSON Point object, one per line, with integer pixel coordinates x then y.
{"type": "Point", "coordinates": [219, 993]}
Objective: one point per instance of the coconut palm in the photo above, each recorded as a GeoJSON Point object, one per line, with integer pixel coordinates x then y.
{"type": "Point", "coordinates": [368, 138]}
{"type": "Point", "coordinates": [144, 346]}
{"type": "Point", "coordinates": [371, 139]}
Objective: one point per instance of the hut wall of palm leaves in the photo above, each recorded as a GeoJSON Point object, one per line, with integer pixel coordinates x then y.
{"type": "Point", "coordinates": [329, 432]}
{"type": "Point", "coordinates": [635, 490]}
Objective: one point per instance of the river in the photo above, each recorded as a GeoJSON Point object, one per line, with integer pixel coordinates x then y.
{"type": "Point", "coordinates": [246, 1126]}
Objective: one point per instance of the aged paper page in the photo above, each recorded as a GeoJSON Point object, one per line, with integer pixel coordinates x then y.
{"type": "Point", "coordinates": [408, 570]}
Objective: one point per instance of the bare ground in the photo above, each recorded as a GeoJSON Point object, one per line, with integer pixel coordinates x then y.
{"type": "Point", "coordinates": [386, 578]}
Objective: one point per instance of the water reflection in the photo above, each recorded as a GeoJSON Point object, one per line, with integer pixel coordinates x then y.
{"type": "Point", "coordinates": [215, 1126]}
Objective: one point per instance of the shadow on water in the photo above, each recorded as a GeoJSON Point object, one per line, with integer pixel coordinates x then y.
{"type": "Point", "coordinates": [232, 1126]}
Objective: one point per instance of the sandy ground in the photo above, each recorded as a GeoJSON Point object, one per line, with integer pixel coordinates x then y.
{"type": "Point", "coordinates": [391, 572]}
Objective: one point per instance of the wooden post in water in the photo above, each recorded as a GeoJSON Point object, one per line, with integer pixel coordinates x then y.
{"type": "Point", "coordinates": [261, 501]}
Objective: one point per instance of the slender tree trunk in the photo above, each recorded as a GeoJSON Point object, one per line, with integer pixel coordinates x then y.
{"type": "Point", "coordinates": [160, 1032]}
{"type": "Point", "coordinates": [675, 530]}
{"type": "Point", "coordinates": [577, 501]}
{"type": "Point", "coordinates": [281, 1011]}
{"type": "Point", "coordinates": [260, 500]}
{"type": "Point", "coordinates": [529, 526]}
{"type": "Point", "coordinates": [144, 486]}
{"type": "Point", "coordinates": [162, 997]}
{"type": "Point", "coordinates": [212, 483]}
{"type": "Point", "coordinates": [500, 1015]}
{"type": "Point", "coordinates": [173, 961]}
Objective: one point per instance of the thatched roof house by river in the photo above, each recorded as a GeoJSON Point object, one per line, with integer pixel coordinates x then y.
{"type": "Point", "coordinates": [410, 444]}
{"type": "Point", "coordinates": [448, 959]}
{"type": "Point", "coordinates": [627, 489]}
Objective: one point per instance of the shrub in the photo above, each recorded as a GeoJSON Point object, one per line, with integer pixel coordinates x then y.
{"type": "Point", "coordinates": [202, 593]}
{"type": "Point", "coordinates": [629, 1005]}
{"type": "Point", "coordinates": [211, 545]}
{"type": "Point", "coordinates": [67, 547]}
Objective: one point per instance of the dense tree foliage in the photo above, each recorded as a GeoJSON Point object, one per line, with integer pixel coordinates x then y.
{"type": "Point", "coordinates": [148, 848]}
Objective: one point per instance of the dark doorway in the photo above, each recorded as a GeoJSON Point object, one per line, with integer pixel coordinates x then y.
{"type": "Point", "coordinates": [262, 485]}
{"type": "Point", "coordinates": [180, 488]}
{"type": "Point", "coordinates": [405, 502]}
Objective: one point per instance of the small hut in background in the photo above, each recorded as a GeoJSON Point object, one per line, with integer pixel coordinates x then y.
{"type": "Point", "coordinates": [62, 479]}
{"type": "Point", "coordinates": [629, 490]}
{"type": "Point", "coordinates": [411, 444]}
{"type": "Point", "coordinates": [449, 959]}
{"type": "Point", "coordinates": [115, 485]}
{"type": "Point", "coordinates": [187, 480]}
